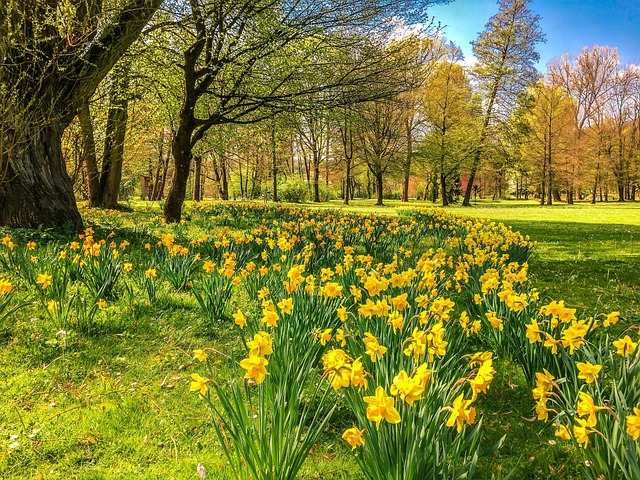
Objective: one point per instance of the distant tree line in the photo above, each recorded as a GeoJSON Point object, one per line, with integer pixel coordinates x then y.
{"type": "Point", "coordinates": [298, 101]}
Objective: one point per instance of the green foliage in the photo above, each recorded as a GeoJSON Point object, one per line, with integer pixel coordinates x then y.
{"type": "Point", "coordinates": [294, 190]}
{"type": "Point", "coordinates": [213, 294]}
{"type": "Point", "coordinates": [101, 272]}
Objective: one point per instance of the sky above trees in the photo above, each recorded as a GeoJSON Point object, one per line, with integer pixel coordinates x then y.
{"type": "Point", "coordinates": [568, 24]}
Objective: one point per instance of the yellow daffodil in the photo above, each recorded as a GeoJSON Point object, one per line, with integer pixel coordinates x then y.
{"type": "Point", "coordinates": [150, 273]}
{"type": "Point", "coordinates": [373, 348]}
{"type": "Point", "coordinates": [562, 432]}
{"type": "Point", "coordinates": [270, 317]}
{"type": "Point", "coordinates": [381, 407]}
{"type": "Point", "coordinates": [396, 321]}
{"type": "Point", "coordinates": [587, 407]}
{"type": "Point", "coordinates": [5, 287]}
{"type": "Point", "coordinates": [588, 371]}
{"type": "Point", "coordinates": [494, 320]}
{"type": "Point", "coordinates": [261, 345]}
{"type": "Point", "coordinates": [200, 355]}
{"type": "Point", "coordinates": [44, 280]}
{"type": "Point", "coordinates": [581, 432]}
{"type": "Point", "coordinates": [286, 306]}
{"type": "Point", "coordinates": [325, 336]}
{"type": "Point", "coordinates": [533, 332]}
{"type": "Point", "coordinates": [541, 410]}
{"type": "Point", "coordinates": [409, 389]}
{"type": "Point", "coordinates": [611, 319]}
{"type": "Point", "coordinates": [625, 346]}
{"type": "Point", "coordinates": [633, 423]}
{"type": "Point", "coordinates": [240, 319]}
{"type": "Point", "coordinates": [460, 414]}
{"type": "Point", "coordinates": [358, 374]}
{"type": "Point", "coordinates": [198, 384]}
{"type": "Point", "coordinates": [353, 436]}
{"type": "Point", "coordinates": [255, 367]}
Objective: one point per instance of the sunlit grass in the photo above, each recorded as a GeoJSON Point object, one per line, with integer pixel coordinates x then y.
{"type": "Point", "coordinates": [586, 254]}
{"type": "Point", "coordinates": [117, 404]}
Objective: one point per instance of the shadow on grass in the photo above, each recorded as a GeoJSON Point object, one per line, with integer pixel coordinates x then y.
{"type": "Point", "coordinates": [593, 266]}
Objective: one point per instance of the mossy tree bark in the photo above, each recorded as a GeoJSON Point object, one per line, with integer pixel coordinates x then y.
{"type": "Point", "coordinates": [47, 74]}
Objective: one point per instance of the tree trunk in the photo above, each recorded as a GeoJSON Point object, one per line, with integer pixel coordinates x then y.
{"type": "Point", "coordinates": [477, 156]}
{"type": "Point", "coordinates": [346, 134]}
{"type": "Point", "coordinates": [90, 161]}
{"type": "Point", "coordinates": [47, 73]}
{"type": "Point", "coordinates": [379, 187]}
{"type": "Point", "coordinates": [326, 165]}
{"type": "Point", "coordinates": [197, 178]}
{"type": "Point", "coordinates": [443, 186]}
{"type": "Point", "coordinates": [466, 202]}
{"type": "Point", "coordinates": [316, 176]}
{"type": "Point", "coordinates": [543, 185]}
{"type": "Point", "coordinates": [181, 146]}
{"type": "Point", "coordinates": [407, 163]}
{"type": "Point", "coordinates": [550, 189]}
{"type": "Point", "coordinates": [347, 183]}
{"type": "Point", "coordinates": [155, 195]}
{"type": "Point", "coordinates": [307, 168]}
{"type": "Point", "coordinates": [36, 189]}
{"type": "Point", "coordinates": [181, 149]}
{"type": "Point", "coordinates": [165, 172]}
{"type": "Point", "coordinates": [595, 185]}
{"type": "Point", "coordinates": [274, 163]}
{"type": "Point", "coordinates": [434, 190]}
{"type": "Point", "coordinates": [224, 186]}
{"type": "Point", "coordinates": [114, 138]}
{"type": "Point", "coordinates": [242, 195]}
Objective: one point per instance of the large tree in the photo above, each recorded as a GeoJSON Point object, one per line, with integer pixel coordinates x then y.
{"type": "Point", "coordinates": [53, 55]}
{"type": "Point", "coordinates": [381, 139]}
{"type": "Point", "coordinates": [589, 78]}
{"type": "Point", "coordinates": [450, 111]}
{"type": "Point", "coordinates": [506, 65]}
{"type": "Point", "coordinates": [245, 60]}
{"type": "Point", "coordinates": [549, 119]}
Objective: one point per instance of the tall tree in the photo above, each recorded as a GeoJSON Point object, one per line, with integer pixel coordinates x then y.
{"type": "Point", "coordinates": [313, 131]}
{"type": "Point", "coordinates": [116, 130]}
{"type": "Point", "coordinates": [621, 110]}
{"type": "Point", "coordinates": [381, 137]}
{"type": "Point", "coordinates": [550, 120]}
{"type": "Point", "coordinates": [450, 113]}
{"type": "Point", "coordinates": [506, 65]}
{"type": "Point", "coordinates": [53, 56]}
{"type": "Point", "coordinates": [249, 54]}
{"type": "Point", "coordinates": [588, 78]}
{"type": "Point", "coordinates": [420, 55]}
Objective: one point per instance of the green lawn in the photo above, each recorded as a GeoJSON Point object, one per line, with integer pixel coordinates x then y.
{"type": "Point", "coordinates": [116, 405]}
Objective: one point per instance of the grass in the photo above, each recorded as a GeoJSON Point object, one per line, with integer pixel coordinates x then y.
{"type": "Point", "coordinates": [587, 255]}
{"type": "Point", "coordinates": [116, 405]}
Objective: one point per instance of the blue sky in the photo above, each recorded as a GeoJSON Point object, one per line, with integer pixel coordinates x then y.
{"type": "Point", "coordinates": [568, 24]}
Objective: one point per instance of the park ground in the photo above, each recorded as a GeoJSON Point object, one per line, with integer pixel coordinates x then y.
{"type": "Point", "coordinates": [116, 404]}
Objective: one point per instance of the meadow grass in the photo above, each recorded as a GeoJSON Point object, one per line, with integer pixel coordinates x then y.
{"type": "Point", "coordinates": [116, 404]}
{"type": "Point", "coordinates": [588, 255]}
